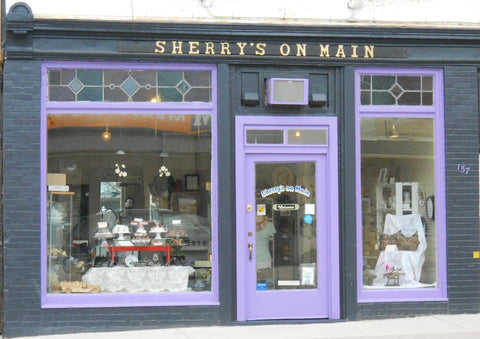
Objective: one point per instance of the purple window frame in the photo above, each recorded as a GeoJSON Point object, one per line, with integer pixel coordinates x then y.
{"type": "Point", "coordinates": [436, 112]}
{"type": "Point", "coordinates": [53, 107]}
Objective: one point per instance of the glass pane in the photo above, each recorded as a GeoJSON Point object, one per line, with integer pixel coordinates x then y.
{"type": "Point", "coordinates": [409, 82]}
{"type": "Point", "coordinates": [410, 98]}
{"type": "Point", "coordinates": [382, 82]}
{"type": "Point", "coordinates": [398, 177]}
{"type": "Point", "coordinates": [264, 136]}
{"type": "Point", "coordinates": [396, 90]}
{"type": "Point", "coordinates": [365, 98]}
{"type": "Point", "coordinates": [307, 137]}
{"type": "Point", "coordinates": [57, 93]}
{"type": "Point", "coordinates": [382, 98]}
{"type": "Point", "coordinates": [365, 81]}
{"type": "Point", "coordinates": [427, 99]}
{"type": "Point", "coordinates": [427, 83]}
{"type": "Point", "coordinates": [123, 206]}
{"type": "Point", "coordinates": [129, 85]}
{"type": "Point", "coordinates": [286, 251]}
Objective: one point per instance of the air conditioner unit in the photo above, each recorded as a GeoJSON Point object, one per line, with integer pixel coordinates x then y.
{"type": "Point", "coordinates": [283, 91]}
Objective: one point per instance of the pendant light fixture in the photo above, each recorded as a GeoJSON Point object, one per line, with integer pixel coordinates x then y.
{"type": "Point", "coordinates": [106, 135]}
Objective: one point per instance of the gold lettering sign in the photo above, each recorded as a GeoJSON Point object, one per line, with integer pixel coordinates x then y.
{"type": "Point", "coordinates": [246, 48]}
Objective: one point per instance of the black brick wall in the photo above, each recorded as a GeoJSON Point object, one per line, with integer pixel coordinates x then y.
{"type": "Point", "coordinates": [463, 232]}
{"type": "Point", "coordinates": [462, 194]}
{"type": "Point", "coordinates": [23, 314]}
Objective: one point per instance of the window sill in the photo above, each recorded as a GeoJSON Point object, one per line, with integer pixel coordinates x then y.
{"type": "Point", "coordinates": [129, 300]}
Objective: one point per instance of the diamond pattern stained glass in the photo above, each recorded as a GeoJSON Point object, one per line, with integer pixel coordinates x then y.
{"type": "Point", "coordinates": [396, 90]}
{"type": "Point", "coordinates": [129, 85]}
{"type": "Point", "coordinates": [76, 85]}
{"type": "Point", "coordinates": [183, 87]}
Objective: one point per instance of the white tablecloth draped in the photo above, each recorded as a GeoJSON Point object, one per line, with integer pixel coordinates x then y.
{"type": "Point", "coordinates": [139, 279]}
{"type": "Point", "coordinates": [410, 262]}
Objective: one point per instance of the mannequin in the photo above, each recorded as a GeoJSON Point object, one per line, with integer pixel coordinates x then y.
{"type": "Point", "coordinates": [264, 233]}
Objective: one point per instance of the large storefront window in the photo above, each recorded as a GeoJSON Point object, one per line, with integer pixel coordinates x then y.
{"type": "Point", "coordinates": [129, 203]}
{"type": "Point", "coordinates": [400, 178]}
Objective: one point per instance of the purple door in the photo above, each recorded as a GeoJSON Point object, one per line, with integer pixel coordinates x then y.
{"type": "Point", "coordinates": [287, 219]}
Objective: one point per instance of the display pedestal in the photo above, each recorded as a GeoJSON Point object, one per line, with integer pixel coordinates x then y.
{"type": "Point", "coordinates": [115, 249]}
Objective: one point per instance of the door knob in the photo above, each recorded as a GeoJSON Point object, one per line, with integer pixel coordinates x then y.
{"type": "Point", "coordinates": [250, 250]}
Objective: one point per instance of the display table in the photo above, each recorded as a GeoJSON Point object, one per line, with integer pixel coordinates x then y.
{"type": "Point", "coordinates": [115, 249]}
{"type": "Point", "coordinates": [139, 279]}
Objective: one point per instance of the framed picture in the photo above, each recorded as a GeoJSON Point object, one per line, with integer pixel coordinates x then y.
{"type": "Point", "coordinates": [191, 182]}
{"type": "Point", "coordinates": [382, 176]}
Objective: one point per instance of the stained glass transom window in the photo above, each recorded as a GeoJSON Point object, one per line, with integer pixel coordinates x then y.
{"type": "Point", "coordinates": [129, 85]}
{"type": "Point", "coordinates": [396, 90]}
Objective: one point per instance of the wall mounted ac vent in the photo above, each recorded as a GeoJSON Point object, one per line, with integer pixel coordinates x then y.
{"type": "Point", "coordinates": [280, 91]}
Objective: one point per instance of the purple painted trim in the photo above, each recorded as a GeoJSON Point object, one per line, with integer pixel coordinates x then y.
{"type": "Point", "coordinates": [43, 190]}
{"type": "Point", "coordinates": [270, 94]}
{"type": "Point", "coordinates": [332, 179]}
{"type": "Point", "coordinates": [126, 299]}
{"type": "Point", "coordinates": [126, 106]}
{"type": "Point", "coordinates": [437, 113]}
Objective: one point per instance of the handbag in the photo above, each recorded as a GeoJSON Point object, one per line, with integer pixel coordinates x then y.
{"type": "Point", "coordinates": [388, 239]}
{"type": "Point", "coordinates": [408, 243]}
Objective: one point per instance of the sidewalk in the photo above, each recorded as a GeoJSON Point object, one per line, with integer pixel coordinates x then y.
{"type": "Point", "coordinates": [466, 326]}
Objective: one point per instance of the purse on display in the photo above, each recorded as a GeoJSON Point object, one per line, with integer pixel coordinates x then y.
{"type": "Point", "coordinates": [403, 243]}
{"type": "Point", "coordinates": [408, 243]}
{"type": "Point", "coordinates": [388, 239]}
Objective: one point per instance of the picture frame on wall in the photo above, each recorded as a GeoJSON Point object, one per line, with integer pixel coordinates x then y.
{"type": "Point", "coordinates": [382, 176]}
{"type": "Point", "coordinates": [192, 182]}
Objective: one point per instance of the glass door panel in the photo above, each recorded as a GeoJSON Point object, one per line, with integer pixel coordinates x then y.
{"type": "Point", "coordinates": [285, 220]}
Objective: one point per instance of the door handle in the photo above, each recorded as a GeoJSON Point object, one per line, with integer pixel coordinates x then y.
{"type": "Point", "coordinates": [250, 250]}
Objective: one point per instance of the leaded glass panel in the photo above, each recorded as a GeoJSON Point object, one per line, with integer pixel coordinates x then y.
{"type": "Point", "coordinates": [129, 85]}
{"type": "Point", "coordinates": [396, 90]}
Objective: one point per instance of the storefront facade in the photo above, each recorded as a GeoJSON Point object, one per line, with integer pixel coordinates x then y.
{"type": "Point", "coordinates": [162, 175]}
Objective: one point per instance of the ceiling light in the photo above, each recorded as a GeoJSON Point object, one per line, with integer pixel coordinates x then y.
{"type": "Point", "coordinates": [106, 135]}
{"type": "Point", "coordinates": [163, 154]}
{"type": "Point", "coordinates": [120, 152]}
{"type": "Point", "coordinates": [393, 134]}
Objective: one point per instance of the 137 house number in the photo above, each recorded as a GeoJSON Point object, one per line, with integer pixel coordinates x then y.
{"type": "Point", "coordinates": [463, 169]}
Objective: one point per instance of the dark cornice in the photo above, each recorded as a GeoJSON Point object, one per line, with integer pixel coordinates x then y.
{"type": "Point", "coordinates": [85, 39]}
{"type": "Point", "coordinates": [126, 29]}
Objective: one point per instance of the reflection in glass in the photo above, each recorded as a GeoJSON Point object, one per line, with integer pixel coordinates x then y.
{"type": "Point", "coordinates": [286, 251]}
{"type": "Point", "coordinates": [128, 191]}
{"type": "Point", "coordinates": [398, 174]}
{"type": "Point", "coordinates": [307, 137]}
{"type": "Point", "coordinates": [255, 136]}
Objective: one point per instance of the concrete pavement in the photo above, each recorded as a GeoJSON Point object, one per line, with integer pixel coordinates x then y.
{"type": "Point", "coordinates": [464, 326]}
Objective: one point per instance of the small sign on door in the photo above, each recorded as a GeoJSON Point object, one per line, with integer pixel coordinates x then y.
{"type": "Point", "coordinates": [286, 207]}
{"type": "Point", "coordinates": [261, 209]}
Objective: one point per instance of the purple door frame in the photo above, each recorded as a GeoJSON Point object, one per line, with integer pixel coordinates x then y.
{"type": "Point", "coordinates": [324, 156]}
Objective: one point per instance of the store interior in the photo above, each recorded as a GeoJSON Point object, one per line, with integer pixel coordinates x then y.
{"type": "Point", "coordinates": [398, 194]}
{"type": "Point", "coordinates": [128, 196]}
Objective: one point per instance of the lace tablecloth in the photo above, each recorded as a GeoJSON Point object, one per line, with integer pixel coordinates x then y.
{"type": "Point", "coordinates": [139, 279]}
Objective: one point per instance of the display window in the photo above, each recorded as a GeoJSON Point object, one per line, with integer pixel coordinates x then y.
{"type": "Point", "coordinates": [400, 185]}
{"type": "Point", "coordinates": [128, 189]}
